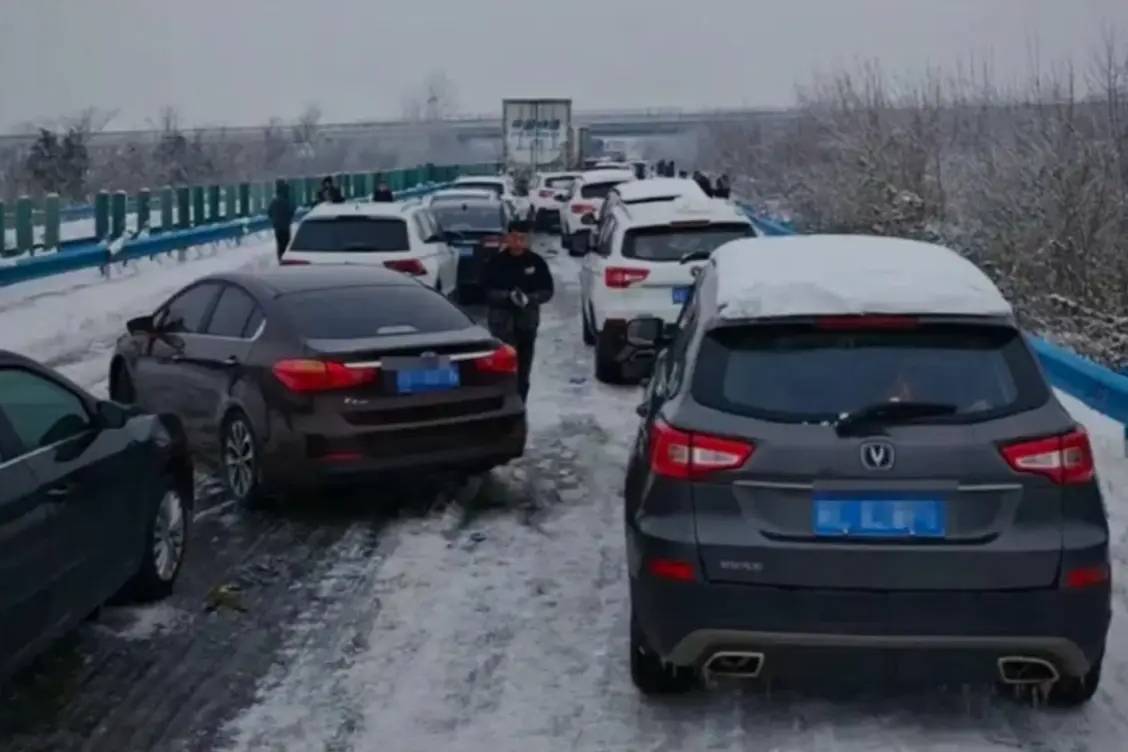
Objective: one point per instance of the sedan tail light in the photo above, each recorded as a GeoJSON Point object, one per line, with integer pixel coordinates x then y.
{"type": "Point", "coordinates": [321, 375]}
{"type": "Point", "coordinates": [412, 267]}
{"type": "Point", "coordinates": [502, 361]}
{"type": "Point", "coordinates": [619, 277]}
{"type": "Point", "coordinates": [294, 262]}
{"type": "Point", "coordinates": [1066, 459]}
{"type": "Point", "coordinates": [582, 209]}
{"type": "Point", "coordinates": [679, 454]}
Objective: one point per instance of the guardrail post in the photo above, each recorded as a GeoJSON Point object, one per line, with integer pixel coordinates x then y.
{"type": "Point", "coordinates": [117, 214]}
{"type": "Point", "coordinates": [213, 203]}
{"type": "Point", "coordinates": [144, 210]}
{"type": "Point", "coordinates": [183, 207]}
{"type": "Point", "coordinates": [230, 207]}
{"type": "Point", "coordinates": [346, 185]}
{"type": "Point", "coordinates": [166, 208]}
{"type": "Point", "coordinates": [25, 234]}
{"type": "Point", "coordinates": [51, 219]}
{"type": "Point", "coordinates": [101, 215]}
{"type": "Point", "coordinates": [244, 199]}
{"type": "Point", "coordinates": [199, 206]}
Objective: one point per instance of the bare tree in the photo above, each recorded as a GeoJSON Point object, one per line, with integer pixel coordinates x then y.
{"type": "Point", "coordinates": [435, 99]}
{"type": "Point", "coordinates": [306, 130]}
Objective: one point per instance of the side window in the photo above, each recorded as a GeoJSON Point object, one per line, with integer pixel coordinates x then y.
{"type": "Point", "coordinates": [420, 226]}
{"type": "Point", "coordinates": [254, 323]}
{"type": "Point", "coordinates": [185, 313]}
{"type": "Point", "coordinates": [675, 357]}
{"type": "Point", "coordinates": [40, 411]}
{"type": "Point", "coordinates": [229, 319]}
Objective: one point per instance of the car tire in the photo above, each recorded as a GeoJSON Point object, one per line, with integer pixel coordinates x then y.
{"type": "Point", "coordinates": [650, 674]}
{"type": "Point", "coordinates": [239, 460]}
{"type": "Point", "coordinates": [121, 385]}
{"type": "Point", "coordinates": [589, 334]}
{"type": "Point", "coordinates": [166, 541]}
{"type": "Point", "coordinates": [1074, 691]}
{"type": "Point", "coordinates": [607, 369]}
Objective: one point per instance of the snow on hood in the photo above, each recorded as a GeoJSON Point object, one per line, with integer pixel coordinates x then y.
{"type": "Point", "coordinates": [816, 275]}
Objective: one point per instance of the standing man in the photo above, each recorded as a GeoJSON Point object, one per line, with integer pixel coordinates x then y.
{"type": "Point", "coordinates": [383, 193]}
{"type": "Point", "coordinates": [281, 213]}
{"type": "Point", "coordinates": [517, 283]}
{"type": "Point", "coordinates": [329, 192]}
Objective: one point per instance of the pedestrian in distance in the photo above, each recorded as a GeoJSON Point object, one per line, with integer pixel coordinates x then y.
{"type": "Point", "coordinates": [723, 188]}
{"type": "Point", "coordinates": [329, 192]}
{"type": "Point", "coordinates": [517, 283]}
{"type": "Point", "coordinates": [383, 194]}
{"type": "Point", "coordinates": [281, 213]}
{"type": "Point", "coordinates": [703, 180]}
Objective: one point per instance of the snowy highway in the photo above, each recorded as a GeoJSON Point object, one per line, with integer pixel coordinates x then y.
{"type": "Point", "coordinates": [491, 616]}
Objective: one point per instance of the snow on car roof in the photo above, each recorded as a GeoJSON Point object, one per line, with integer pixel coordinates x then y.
{"type": "Point", "coordinates": [360, 209]}
{"type": "Point", "coordinates": [683, 209]}
{"type": "Point", "coordinates": [655, 188]}
{"type": "Point", "coordinates": [591, 177]}
{"type": "Point", "coordinates": [454, 194]}
{"type": "Point", "coordinates": [491, 179]}
{"type": "Point", "coordinates": [815, 275]}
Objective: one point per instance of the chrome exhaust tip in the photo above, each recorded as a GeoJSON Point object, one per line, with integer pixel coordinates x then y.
{"type": "Point", "coordinates": [1025, 670]}
{"type": "Point", "coordinates": [736, 664]}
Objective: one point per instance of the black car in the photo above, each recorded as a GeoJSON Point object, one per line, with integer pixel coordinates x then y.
{"type": "Point", "coordinates": [304, 376]}
{"type": "Point", "coordinates": [95, 500]}
{"type": "Point", "coordinates": [479, 224]}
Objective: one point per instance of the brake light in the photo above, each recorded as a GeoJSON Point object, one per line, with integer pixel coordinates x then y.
{"type": "Point", "coordinates": [294, 262]}
{"type": "Point", "coordinates": [1083, 577]}
{"type": "Point", "coordinates": [672, 569]}
{"type": "Point", "coordinates": [412, 267]}
{"type": "Point", "coordinates": [321, 375]}
{"type": "Point", "coordinates": [619, 277]}
{"type": "Point", "coordinates": [679, 454]}
{"type": "Point", "coordinates": [582, 208]}
{"type": "Point", "coordinates": [492, 241]}
{"type": "Point", "coordinates": [840, 323]}
{"type": "Point", "coordinates": [502, 361]}
{"type": "Point", "coordinates": [1066, 460]}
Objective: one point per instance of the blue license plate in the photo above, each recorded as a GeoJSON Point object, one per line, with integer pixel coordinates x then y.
{"type": "Point", "coordinates": [871, 518]}
{"type": "Point", "coordinates": [418, 380]}
{"type": "Point", "coordinates": [465, 250]}
{"type": "Point", "coordinates": [681, 294]}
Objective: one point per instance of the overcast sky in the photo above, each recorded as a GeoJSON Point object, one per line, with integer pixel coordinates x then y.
{"type": "Point", "coordinates": [243, 61]}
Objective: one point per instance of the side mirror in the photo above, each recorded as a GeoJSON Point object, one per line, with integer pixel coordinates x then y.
{"type": "Point", "coordinates": [140, 325]}
{"type": "Point", "coordinates": [110, 415]}
{"type": "Point", "coordinates": [645, 333]}
{"type": "Point", "coordinates": [588, 219]}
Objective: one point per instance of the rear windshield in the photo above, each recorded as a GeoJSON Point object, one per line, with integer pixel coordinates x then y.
{"type": "Point", "coordinates": [798, 373]}
{"type": "Point", "coordinates": [464, 217]}
{"type": "Point", "coordinates": [495, 188]}
{"type": "Point", "coordinates": [362, 234]}
{"type": "Point", "coordinates": [598, 190]}
{"type": "Point", "coordinates": [559, 182]}
{"type": "Point", "coordinates": [357, 312]}
{"type": "Point", "coordinates": [673, 243]}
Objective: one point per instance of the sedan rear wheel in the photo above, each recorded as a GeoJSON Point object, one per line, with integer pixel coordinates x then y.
{"type": "Point", "coordinates": [240, 460]}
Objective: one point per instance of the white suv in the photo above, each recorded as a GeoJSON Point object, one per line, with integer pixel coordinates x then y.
{"type": "Point", "coordinates": [642, 265]}
{"type": "Point", "coordinates": [545, 197]}
{"type": "Point", "coordinates": [584, 201]}
{"type": "Point", "coordinates": [400, 236]}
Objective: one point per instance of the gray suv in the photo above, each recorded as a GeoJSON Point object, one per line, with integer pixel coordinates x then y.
{"type": "Point", "coordinates": [849, 456]}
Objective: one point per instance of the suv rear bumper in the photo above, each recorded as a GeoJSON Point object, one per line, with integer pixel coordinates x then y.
{"type": "Point", "coordinates": [688, 623]}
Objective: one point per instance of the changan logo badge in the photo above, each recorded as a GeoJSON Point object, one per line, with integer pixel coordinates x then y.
{"type": "Point", "coordinates": [878, 455]}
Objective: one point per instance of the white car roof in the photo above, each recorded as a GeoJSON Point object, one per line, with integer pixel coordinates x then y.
{"type": "Point", "coordinates": [361, 209]}
{"type": "Point", "coordinates": [590, 177]}
{"type": "Point", "coordinates": [686, 209]}
{"type": "Point", "coordinates": [453, 194]}
{"type": "Point", "coordinates": [553, 175]}
{"type": "Point", "coordinates": [499, 180]}
{"type": "Point", "coordinates": [656, 188]}
{"type": "Point", "coordinates": [836, 275]}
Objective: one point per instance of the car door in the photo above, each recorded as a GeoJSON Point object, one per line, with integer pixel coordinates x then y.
{"type": "Point", "coordinates": [220, 363]}
{"type": "Point", "coordinates": [166, 377]}
{"type": "Point", "coordinates": [30, 561]}
{"type": "Point", "coordinates": [594, 265]}
{"type": "Point", "coordinates": [435, 247]}
{"type": "Point", "coordinates": [87, 481]}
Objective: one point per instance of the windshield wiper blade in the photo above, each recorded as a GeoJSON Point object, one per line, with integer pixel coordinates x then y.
{"type": "Point", "coordinates": [884, 413]}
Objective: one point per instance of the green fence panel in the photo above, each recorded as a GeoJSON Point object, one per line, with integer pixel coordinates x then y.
{"type": "Point", "coordinates": [199, 206]}
{"type": "Point", "coordinates": [25, 235]}
{"type": "Point", "coordinates": [144, 210]}
{"type": "Point", "coordinates": [183, 207]}
{"type": "Point", "coordinates": [117, 213]}
{"type": "Point", "coordinates": [102, 215]}
{"type": "Point", "coordinates": [51, 218]}
{"type": "Point", "coordinates": [213, 203]}
{"type": "Point", "coordinates": [230, 202]}
{"type": "Point", "coordinates": [346, 185]}
{"type": "Point", "coordinates": [166, 207]}
{"type": "Point", "coordinates": [296, 186]}
{"type": "Point", "coordinates": [3, 230]}
{"type": "Point", "coordinates": [244, 199]}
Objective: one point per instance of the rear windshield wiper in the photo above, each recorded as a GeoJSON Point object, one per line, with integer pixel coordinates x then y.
{"type": "Point", "coordinates": [889, 412]}
{"type": "Point", "coordinates": [695, 256]}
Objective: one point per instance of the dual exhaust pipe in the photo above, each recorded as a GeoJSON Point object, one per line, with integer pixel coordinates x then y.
{"type": "Point", "coordinates": [1014, 670]}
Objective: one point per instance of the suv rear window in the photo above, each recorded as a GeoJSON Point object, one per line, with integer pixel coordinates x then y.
{"type": "Point", "coordinates": [799, 373]}
{"type": "Point", "coordinates": [559, 182]}
{"type": "Point", "coordinates": [357, 312]}
{"type": "Point", "coordinates": [495, 188]}
{"type": "Point", "coordinates": [468, 217]}
{"type": "Point", "coordinates": [597, 190]}
{"type": "Point", "coordinates": [343, 234]}
{"type": "Point", "coordinates": [672, 243]}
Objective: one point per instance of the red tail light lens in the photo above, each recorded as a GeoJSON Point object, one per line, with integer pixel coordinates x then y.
{"type": "Point", "coordinates": [848, 323]}
{"type": "Point", "coordinates": [294, 262]}
{"type": "Point", "coordinates": [321, 375]}
{"type": "Point", "coordinates": [672, 569]}
{"type": "Point", "coordinates": [619, 277]}
{"type": "Point", "coordinates": [1083, 577]}
{"type": "Point", "coordinates": [680, 454]}
{"type": "Point", "coordinates": [502, 361]}
{"type": "Point", "coordinates": [582, 208]}
{"type": "Point", "coordinates": [1066, 460]}
{"type": "Point", "coordinates": [413, 267]}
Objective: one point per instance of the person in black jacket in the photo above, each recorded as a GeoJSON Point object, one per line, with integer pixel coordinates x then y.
{"type": "Point", "coordinates": [517, 283]}
{"type": "Point", "coordinates": [383, 193]}
{"type": "Point", "coordinates": [281, 213]}
{"type": "Point", "coordinates": [723, 188]}
{"type": "Point", "coordinates": [329, 192]}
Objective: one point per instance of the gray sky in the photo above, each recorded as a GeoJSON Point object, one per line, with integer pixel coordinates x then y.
{"type": "Point", "coordinates": [243, 61]}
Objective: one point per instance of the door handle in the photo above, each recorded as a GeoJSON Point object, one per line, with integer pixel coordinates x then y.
{"type": "Point", "coordinates": [59, 492]}
{"type": "Point", "coordinates": [230, 360]}
{"type": "Point", "coordinates": [176, 357]}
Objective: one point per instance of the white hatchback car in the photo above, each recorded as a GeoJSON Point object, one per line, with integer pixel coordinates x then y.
{"type": "Point", "coordinates": [399, 236]}
{"type": "Point", "coordinates": [545, 198]}
{"type": "Point", "coordinates": [584, 201]}
{"type": "Point", "coordinates": [642, 265]}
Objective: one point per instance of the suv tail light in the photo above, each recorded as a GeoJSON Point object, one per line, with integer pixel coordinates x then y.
{"type": "Point", "coordinates": [619, 277]}
{"type": "Point", "coordinates": [1066, 459]}
{"type": "Point", "coordinates": [294, 262]}
{"type": "Point", "coordinates": [413, 267]}
{"type": "Point", "coordinates": [679, 454]}
{"type": "Point", "coordinates": [582, 209]}
{"type": "Point", "coordinates": [501, 361]}
{"type": "Point", "coordinates": [321, 375]}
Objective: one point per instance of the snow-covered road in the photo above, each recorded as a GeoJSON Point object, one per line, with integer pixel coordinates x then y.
{"type": "Point", "coordinates": [497, 623]}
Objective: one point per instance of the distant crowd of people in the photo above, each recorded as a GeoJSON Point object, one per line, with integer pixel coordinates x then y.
{"type": "Point", "coordinates": [721, 187]}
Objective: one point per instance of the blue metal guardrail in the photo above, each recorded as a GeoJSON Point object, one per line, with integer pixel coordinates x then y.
{"type": "Point", "coordinates": [1100, 388]}
{"type": "Point", "coordinates": [88, 254]}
